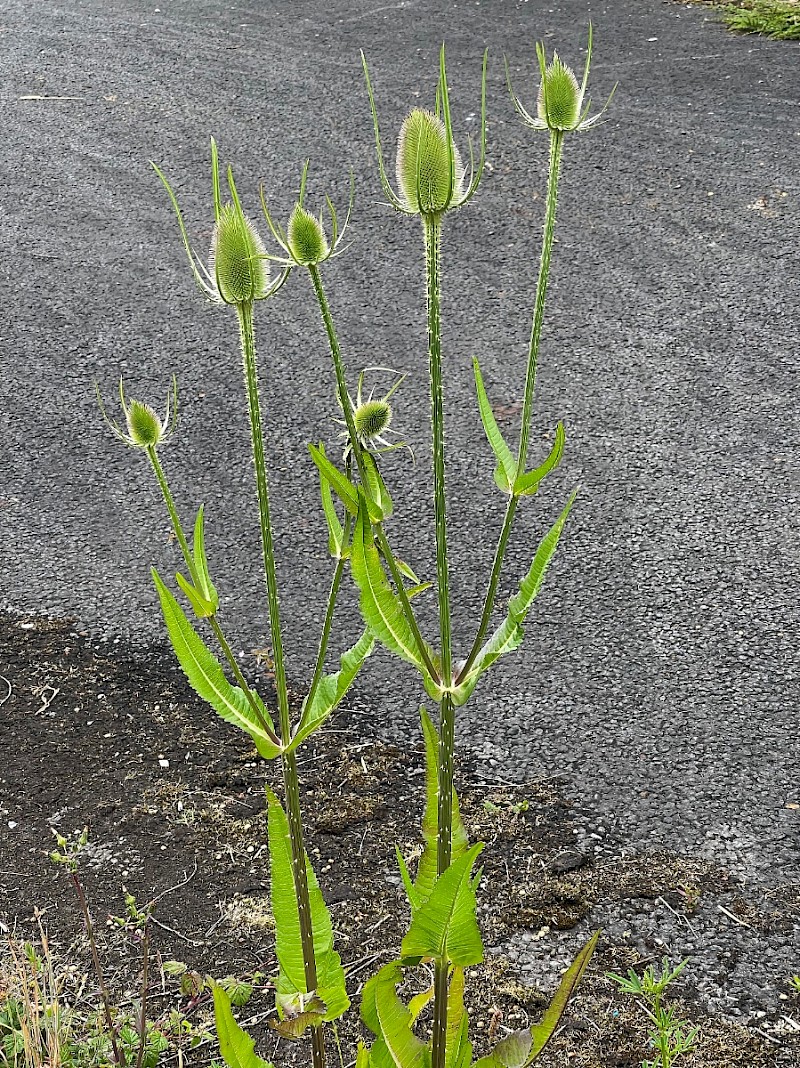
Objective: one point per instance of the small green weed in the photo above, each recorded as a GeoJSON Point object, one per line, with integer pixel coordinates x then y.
{"type": "Point", "coordinates": [778, 19]}
{"type": "Point", "coordinates": [669, 1036]}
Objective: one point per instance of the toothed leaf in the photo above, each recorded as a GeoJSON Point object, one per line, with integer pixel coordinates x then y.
{"type": "Point", "coordinates": [446, 925]}
{"type": "Point", "coordinates": [235, 1045]}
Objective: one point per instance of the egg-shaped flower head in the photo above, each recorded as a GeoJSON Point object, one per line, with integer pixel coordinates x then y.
{"type": "Point", "coordinates": [238, 271]}
{"type": "Point", "coordinates": [561, 103]}
{"type": "Point", "coordinates": [304, 242]}
{"type": "Point", "coordinates": [431, 176]}
{"type": "Point", "coordinates": [144, 427]}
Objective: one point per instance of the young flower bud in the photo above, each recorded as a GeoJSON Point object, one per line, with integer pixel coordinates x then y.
{"type": "Point", "coordinates": [423, 165]}
{"type": "Point", "coordinates": [371, 419]}
{"type": "Point", "coordinates": [306, 238]}
{"type": "Point", "coordinates": [238, 260]}
{"type": "Point", "coordinates": [144, 426]}
{"type": "Point", "coordinates": [560, 100]}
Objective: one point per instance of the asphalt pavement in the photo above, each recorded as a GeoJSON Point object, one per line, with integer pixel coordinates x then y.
{"type": "Point", "coordinates": [659, 674]}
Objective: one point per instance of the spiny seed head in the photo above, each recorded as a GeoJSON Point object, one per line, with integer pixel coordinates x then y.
{"type": "Point", "coordinates": [306, 238]}
{"type": "Point", "coordinates": [238, 258]}
{"type": "Point", "coordinates": [559, 101]}
{"type": "Point", "coordinates": [144, 426]}
{"type": "Point", "coordinates": [423, 164]}
{"type": "Point", "coordinates": [372, 418]}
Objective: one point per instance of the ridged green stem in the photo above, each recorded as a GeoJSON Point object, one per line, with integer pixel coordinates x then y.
{"type": "Point", "coordinates": [433, 232]}
{"type": "Point", "coordinates": [556, 146]}
{"type": "Point", "coordinates": [289, 761]}
{"type": "Point", "coordinates": [344, 400]}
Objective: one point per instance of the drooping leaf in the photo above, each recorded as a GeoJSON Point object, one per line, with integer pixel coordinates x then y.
{"type": "Point", "coordinates": [331, 689]}
{"type": "Point", "coordinates": [506, 465]}
{"type": "Point", "coordinates": [207, 678]}
{"type": "Point", "coordinates": [522, 1048]}
{"type": "Point", "coordinates": [446, 925]}
{"type": "Point", "coordinates": [426, 871]}
{"type": "Point", "coordinates": [335, 530]}
{"type": "Point", "coordinates": [235, 1045]}
{"type": "Point", "coordinates": [380, 605]}
{"type": "Point", "coordinates": [390, 1020]}
{"type": "Point", "coordinates": [529, 483]}
{"type": "Point", "coordinates": [288, 945]}
{"type": "Point", "coordinates": [509, 634]}
{"type": "Point", "coordinates": [342, 486]}
{"type": "Point", "coordinates": [378, 493]}
{"type": "Point", "coordinates": [458, 1048]}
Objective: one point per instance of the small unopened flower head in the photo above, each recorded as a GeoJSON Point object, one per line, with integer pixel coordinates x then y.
{"type": "Point", "coordinates": [424, 161]}
{"type": "Point", "coordinates": [237, 261]}
{"type": "Point", "coordinates": [306, 237]}
{"type": "Point", "coordinates": [559, 101]}
{"type": "Point", "coordinates": [372, 418]}
{"type": "Point", "coordinates": [145, 428]}
{"type": "Point", "coordinates": [562, 104]}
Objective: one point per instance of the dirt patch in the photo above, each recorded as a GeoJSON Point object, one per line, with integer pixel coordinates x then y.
{"type": "Point", "coordinates": [174, 799]}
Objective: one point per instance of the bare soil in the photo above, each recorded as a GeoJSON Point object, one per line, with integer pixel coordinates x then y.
{"type": "Point", "coordinates": [174, 800]}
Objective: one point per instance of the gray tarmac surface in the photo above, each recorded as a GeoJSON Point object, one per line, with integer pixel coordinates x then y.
{"type": "Point", "coordinates": [659, 676]}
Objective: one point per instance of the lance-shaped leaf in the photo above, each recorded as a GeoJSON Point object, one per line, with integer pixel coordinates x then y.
{"type": "Point", "coordinates": [390, 1020]}
{"type": "Point", "coordinates": [335, 530]}
{"type": "Point", "coordinates": [506, 464]}
{"type": "Point", "coordinates": [331, 689]}
{"type": "Point", "coordinates": [207, 678]}
{"type": "Point", "coordinates": [445, 926]}
{"type": "Point", "coordinates": [523, 1047]}
{"type": "Point", "coordinates": [202, 597]}
{"type": "Point", "coordinates": [235, 1045]}
{"type": "Point", "coordinates": [529, 483]}
{"type": "Point", "coordinates": [509, 634]}
{"type": "Point", "coordinates": [380, 605]}
{"type": "Point", "coordinates": [378, 493]}
{"type": "Point", "coordinates": [288, 945]}
{"type": "Point", "coordinates": [458, 1048]}
{"type": "Point", "coordinates": [426, 872]}
{"type": "Point", "coordinates": [342, 486]}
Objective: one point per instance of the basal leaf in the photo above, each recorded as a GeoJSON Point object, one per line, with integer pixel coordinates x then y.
{"type": "Point", "coordinates": [426, 871]}
{"type": "Point", "coordinates": [342, 486]}
{"type": "Point", "coordinates": [522, 1048]}
{"type": "Point", "coordinates": [529, 483]}
{"type": "Point", "coordinates": [235, 1045]}
{"type": "Point", "coordinates": [335, 530]}
{"type": "Point", "coordinates": [458, 1048]}
{"type": "Point", "coordinates": [207, 678]}
{"type": "Point", "coordinates": [507, 467]}
{"type": "Point", "coordinates": [331, 689]}
{"type": "Point", "coordinates": [509, 634]}
{"type": "Point", "coordinates": [288, 946]}
{"type": "Point", "coordinates": [446, 926]}
{"type": "Point", "coordinates": [543, 1032]}
{"type": "Point", "coordinates": [390, 1020]}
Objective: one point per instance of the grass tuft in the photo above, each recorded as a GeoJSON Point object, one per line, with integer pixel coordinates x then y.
{"type": "Point", "coordinates": [778, 19]}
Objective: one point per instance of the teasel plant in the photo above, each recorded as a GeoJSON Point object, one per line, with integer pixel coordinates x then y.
{"type": "Point", "coordinates": [310, 986]}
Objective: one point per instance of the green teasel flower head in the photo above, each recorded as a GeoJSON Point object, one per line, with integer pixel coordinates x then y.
{"type": "Point", "coordinates": [304, 242]}
{"type": "Point", "coordinates": [238, 271]}
{"type": "Point", "coordinates": [373, 417]}
{"type": "Point", "coordinates": [145, 428]}
{"type": "Point", "coordinates": [562, 104]}
{"type": "Point", "coordinates": [431, 176]}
